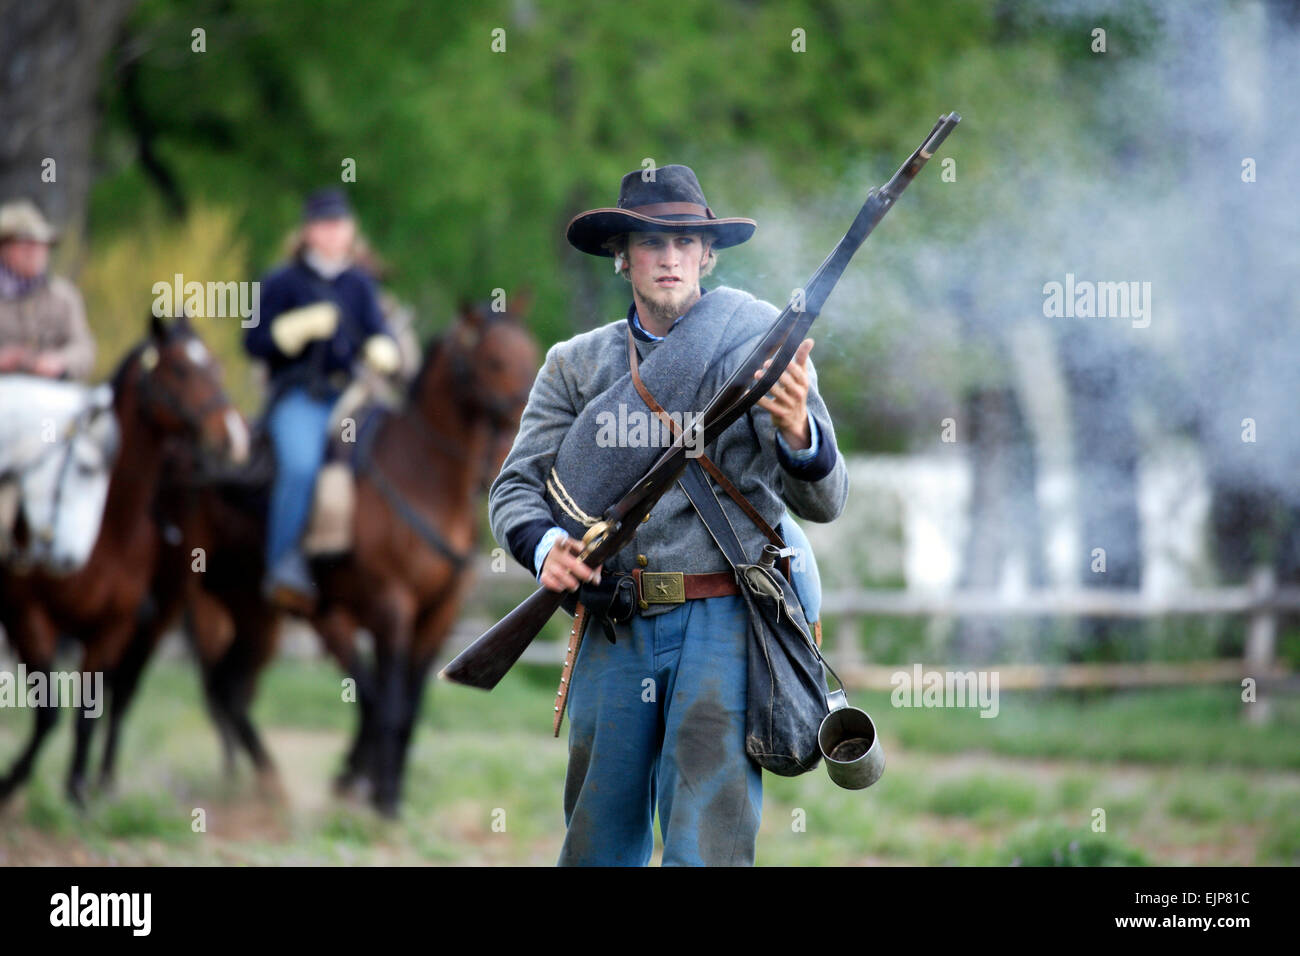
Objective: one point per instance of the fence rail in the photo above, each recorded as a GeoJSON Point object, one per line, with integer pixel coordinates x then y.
{"type": "Point", "coordinates": [1260, 600]}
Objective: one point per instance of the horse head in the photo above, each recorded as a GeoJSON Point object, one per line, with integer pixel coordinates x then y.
{"type": "Point", "coordinates": [177, 384]}
{"type": "Point", "coordinates": [485, 363]}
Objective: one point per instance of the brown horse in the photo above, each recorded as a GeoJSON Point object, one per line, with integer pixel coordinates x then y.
{"type": "Point", "coordinates": [167, 389]}
{"type": "Point", "coordinates": [415, 529]}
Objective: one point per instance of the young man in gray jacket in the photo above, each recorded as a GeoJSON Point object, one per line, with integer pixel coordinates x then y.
{"type": "Point", "coordinates": [657, 716]}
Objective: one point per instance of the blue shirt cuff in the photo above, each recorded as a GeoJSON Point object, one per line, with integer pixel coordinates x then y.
{"type": "Point", "coordinates": [522, 539]}
{"type": "Point", "coordinates": [544, 548]}
{"type": "Point", "coordinates": [813, 463]}
{"type": "Point", "coordinates": [803, 454]}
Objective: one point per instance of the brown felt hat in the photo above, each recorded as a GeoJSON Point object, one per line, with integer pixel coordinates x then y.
{"type": "Point", "coordinates": [670, 202]}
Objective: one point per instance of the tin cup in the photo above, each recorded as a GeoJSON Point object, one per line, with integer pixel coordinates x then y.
{"type": "Point", "coordinates": [848, 741]}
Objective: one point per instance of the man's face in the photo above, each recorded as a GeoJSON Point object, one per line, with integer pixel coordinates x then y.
{"type": "Point", "coordinates": [25, 257]}
{"type": "Point", "coordinates": [331, 238]}
{"type": "Point", "coordinates": [665, 270]}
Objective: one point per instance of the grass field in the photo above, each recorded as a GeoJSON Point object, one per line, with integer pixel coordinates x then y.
{"type": "Point", "coordinates": [1181, 778]}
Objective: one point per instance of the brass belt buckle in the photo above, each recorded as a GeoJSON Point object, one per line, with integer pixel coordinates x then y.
{"type": "Point", "coordinates": [663, 587]}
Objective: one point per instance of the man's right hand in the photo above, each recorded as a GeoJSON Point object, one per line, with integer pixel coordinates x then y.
{"type": "Point", "coordinates": [563, 570]}
{"type": "Point", "coordinates": [14, 358]}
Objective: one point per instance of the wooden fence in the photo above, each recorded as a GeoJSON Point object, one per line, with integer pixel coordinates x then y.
{"type": "Point", "coordinates": [1261, 601]}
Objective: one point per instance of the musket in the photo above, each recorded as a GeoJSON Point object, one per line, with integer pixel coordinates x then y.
{"type": "Point", "coordinates": [487, 660]}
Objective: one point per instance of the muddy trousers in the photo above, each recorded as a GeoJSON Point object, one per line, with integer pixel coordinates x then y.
{"type": "Point", "coordinates": [657, 720]}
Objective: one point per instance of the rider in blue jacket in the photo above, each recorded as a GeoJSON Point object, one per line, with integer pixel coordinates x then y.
{"type": "Point", "coordinates": [319, 315]}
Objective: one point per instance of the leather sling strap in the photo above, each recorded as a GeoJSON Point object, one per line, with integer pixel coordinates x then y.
{"type": "Point", "coordinates": [707, 506]}
{"type": "Point", "coordinates": [575, 640]}
{"type": "Point", "coordinates": [710, 511]}
{"type": "Point", "coordinates": [723, 482]}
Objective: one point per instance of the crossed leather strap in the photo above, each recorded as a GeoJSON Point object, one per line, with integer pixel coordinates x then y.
{"type": "Point", "coordinates": [581, 617]}
{"type": "Point", "coordinates": [723, 482]}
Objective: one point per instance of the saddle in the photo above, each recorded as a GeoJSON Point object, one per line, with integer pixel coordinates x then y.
{"type": "Point", "coordinates": [354, 422]}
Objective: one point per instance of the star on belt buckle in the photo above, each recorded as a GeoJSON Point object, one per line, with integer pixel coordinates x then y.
{"type": "Point", "coordinates": [663, 587]}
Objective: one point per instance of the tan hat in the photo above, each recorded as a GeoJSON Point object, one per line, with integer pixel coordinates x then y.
{"type": "Point", "coordinates": [21, 219]}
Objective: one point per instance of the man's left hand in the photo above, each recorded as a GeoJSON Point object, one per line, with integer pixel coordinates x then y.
{"type": "Point", "coordinates": [788, 401]}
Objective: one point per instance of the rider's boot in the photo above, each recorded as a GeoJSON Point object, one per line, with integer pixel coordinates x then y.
{"type": "Point", "coordinates": [289, 583]}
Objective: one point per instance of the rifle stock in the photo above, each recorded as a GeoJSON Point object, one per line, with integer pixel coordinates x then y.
{"type": "Point", "coordinates": [487, 660]}
{"type": "Point", "coordinates": [503, 643]}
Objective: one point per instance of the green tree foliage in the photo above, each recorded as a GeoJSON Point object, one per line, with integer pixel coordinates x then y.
{"type": "Point", "coordinates": [470, 162]}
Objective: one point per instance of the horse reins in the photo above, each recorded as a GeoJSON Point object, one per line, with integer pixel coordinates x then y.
{"type": "Point", "coordinates": [67, 446]}
{"type": "Point", "coordinates": [367, 467]}
{"type": "Point", "coordinates": [496, 411]}
{"type": "Point", "coordinates": [192, 418]}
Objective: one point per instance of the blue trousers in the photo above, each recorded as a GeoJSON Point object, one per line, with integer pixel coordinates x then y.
{"type": "Point", "coordinates": [658, 719]}
{"type": "Point", "coordinates": [298, 424]}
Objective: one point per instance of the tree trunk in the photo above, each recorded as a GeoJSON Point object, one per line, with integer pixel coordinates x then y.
{"type": "Point", "coordinates": [51, 56]}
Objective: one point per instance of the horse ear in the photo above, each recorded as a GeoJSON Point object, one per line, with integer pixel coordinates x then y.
{"type": "Point", "coordinates": [157, 328]}
{"type": "Point", "coordinates": [521, 303]}
{"type": "Point", "coordinates": [468, 312]}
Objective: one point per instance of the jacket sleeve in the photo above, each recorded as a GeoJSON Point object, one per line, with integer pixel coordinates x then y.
{"type": "Point", "coordinates": [274, 300]}
{"type": "Point", "coordinates": [372, 315]}
{"type": "Point", "coordinates": [517, 507]}
{"type": "Point", "coordinates": [78, 349]}
{"type": "Point", "coordinates": [818, 488]}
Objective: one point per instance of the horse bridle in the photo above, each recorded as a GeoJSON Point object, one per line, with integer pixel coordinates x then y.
{"type": "Point", "coordinates": [154, 394]}
{"type": "Point", "coordinates": [75, 428]}
{"type": "Point", "coordinates": [497, 409]}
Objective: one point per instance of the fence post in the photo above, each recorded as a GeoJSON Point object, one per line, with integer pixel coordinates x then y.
{"type": "Point", "coordinates": [848, 643]}
{"type": "Point", "coordinates": [1261, 638]}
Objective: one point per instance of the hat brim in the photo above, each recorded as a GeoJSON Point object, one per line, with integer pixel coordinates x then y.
{"type": "Point", "coordinates": [47, 236]}
{"type": "Point", "coordinates": [589, 231]}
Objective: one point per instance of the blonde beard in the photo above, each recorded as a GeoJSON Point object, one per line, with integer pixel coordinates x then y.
{"type": "Point", "coordinates": [666, 313]}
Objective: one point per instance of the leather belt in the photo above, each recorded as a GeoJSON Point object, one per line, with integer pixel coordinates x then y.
{"type": "Point", "coordinates": [675, 587]}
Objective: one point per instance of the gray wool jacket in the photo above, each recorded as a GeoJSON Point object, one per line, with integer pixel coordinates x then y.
{"type": "Point", "coordinates": [674, 538]}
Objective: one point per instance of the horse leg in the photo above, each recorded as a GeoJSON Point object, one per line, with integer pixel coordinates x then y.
{"type": "Point", "coordinates": [104, 654]}
{"type": "Point", "coordinates": [34, 638]}
{"type": "Point", "coordinates": [432, 631]}
{"type": "Point", "coordinates": [358, 765]}
{"type": "Point", "coordinates": [337, 630]}
{"type": "Point", "coordinates": [415, 698]}
{"type": "Point", "coordinates": [215, 695]}
{"type": "Point", "coordinates": [253, 648]}
{"type": "Point", "coordinates": [390, 710]}
{"type": "Point", "coordinates": [75, 786]}
{"type": "Point", "coordinates": [122, 684]}
{"type": "Point", "coordinates": [211, 632]}
{"type": "Point", "coordinates": [393, 665]}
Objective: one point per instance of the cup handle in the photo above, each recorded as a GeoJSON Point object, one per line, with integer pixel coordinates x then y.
{"type": "Point", "coordinates": [836, 700]}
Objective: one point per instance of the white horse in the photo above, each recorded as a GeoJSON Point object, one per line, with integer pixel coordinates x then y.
{"type": "Point", "coordinates": [58, 441]}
